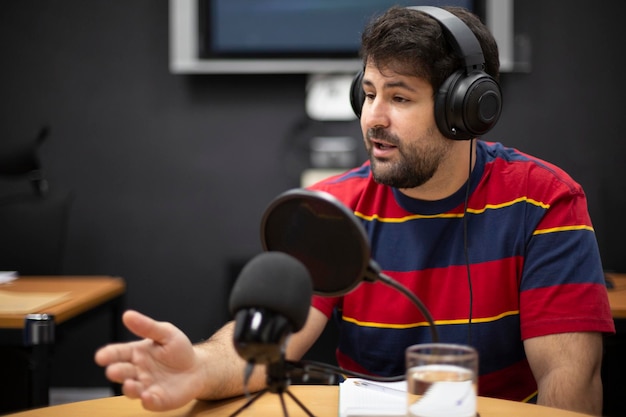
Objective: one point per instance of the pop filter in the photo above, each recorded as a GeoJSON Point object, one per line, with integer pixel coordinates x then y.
{"type": "Point", "coordinates": [322, 233]}
{"type": "Point", "coordinates": [318, 230]}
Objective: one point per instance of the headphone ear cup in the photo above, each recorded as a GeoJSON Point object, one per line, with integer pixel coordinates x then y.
{"type": "Point", "coordinates": [467, 106]}
{"type": "Point", "coordinates": [442, 107]}
{"type": "Point", "coordinates": [482, 103]}
{"type": "Point", "coordinates": [357, 95]}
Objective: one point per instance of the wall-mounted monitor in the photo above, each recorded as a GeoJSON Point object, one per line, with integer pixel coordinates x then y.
{"type": "Point", "coordinates": [284, 36]}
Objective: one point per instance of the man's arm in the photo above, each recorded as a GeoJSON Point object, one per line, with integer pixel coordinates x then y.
{"type": "Point", "coordinates": [220, 347]}
{"type": "Point", "coordinates": [166, 371]}
{"type": "Point", "coordinates": [567, 370]}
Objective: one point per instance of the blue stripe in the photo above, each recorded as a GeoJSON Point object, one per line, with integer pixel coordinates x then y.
{"type": "Point", "coordinates": [361, 172]}
{"type": "Point", "coordinates": [579, 246]}
{"type": "Point", "coordinates": [498, 344]}
{"type": "Point", "coordinates": [405, 249]}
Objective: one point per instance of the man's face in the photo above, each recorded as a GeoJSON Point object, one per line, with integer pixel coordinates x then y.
{"type": "Point", "coordinates": [399, 129]}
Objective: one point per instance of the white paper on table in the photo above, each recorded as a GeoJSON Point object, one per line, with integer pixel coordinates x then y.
{"type": "Point", "coordinates": [364, 398]}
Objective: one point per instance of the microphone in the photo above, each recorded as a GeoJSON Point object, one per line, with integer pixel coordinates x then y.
{"type": "Point", "coordinates": [270, 300]}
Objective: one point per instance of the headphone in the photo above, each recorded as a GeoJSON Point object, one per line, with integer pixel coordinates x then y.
{"type": "Point", "coordinates": [469, 102]}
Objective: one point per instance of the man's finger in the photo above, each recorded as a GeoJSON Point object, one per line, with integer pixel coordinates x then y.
{"type": "Point", "coordinates": [146, 327]}
{"type": "Point", "coordinates": [132, 388]}
{"type": "Point", "coordinates": [113, 353]}
{"type": "Point", "coordinates": [120, 372]}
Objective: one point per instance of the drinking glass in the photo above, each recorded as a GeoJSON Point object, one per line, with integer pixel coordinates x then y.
{"type": "Point", "coordinates": [441, 380]}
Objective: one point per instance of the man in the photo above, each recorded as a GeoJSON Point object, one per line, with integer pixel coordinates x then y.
{"type": "Point", "coordinates": [505, 260]}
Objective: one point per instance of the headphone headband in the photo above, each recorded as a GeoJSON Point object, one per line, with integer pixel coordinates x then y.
{"type": "Point", "coordinates": [460, 37]}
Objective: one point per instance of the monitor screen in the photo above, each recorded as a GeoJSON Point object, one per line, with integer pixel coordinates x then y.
{"type": "Point", "coordinates": [291, 28]}
{"type": "Point", "coordinates": [278, 36]}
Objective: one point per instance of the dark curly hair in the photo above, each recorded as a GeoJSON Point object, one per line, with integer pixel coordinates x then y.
{"type": "Point", "coordinates": [413, 43]}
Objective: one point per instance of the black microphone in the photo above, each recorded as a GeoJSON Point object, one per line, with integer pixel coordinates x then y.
{"type": "Point", "coordinates": [270, 300]}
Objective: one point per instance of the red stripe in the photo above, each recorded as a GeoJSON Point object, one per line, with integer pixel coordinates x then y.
{"type": "Point", "coordinates": [444, 291]}
{"type": "Point", "coordinates": [513, 383]}
{"type": "Point", "coordinates": [549, 309]}
{"type": "Point", "coordinates": [345, 362]}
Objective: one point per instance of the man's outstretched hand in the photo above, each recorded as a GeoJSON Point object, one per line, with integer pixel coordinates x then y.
{"type": "Point", "coordinates": [162, 369]}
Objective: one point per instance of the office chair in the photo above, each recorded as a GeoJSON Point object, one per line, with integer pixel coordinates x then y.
{"type": "Point", "coordinates": [33, 219]}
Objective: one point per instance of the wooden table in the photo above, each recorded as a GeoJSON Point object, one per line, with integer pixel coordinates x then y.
{"type": "Point", "coordinates": [617, 295]}
{"type": "Point", "coordinates": [322, 401]}
{"type": "Point", "coordinates": [90, 291]}
{"type": "Point", "coordinates": [33, 331]}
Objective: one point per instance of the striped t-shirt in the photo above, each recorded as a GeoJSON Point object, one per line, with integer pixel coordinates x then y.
{"type": "Point", "coordinates": [535, 269]}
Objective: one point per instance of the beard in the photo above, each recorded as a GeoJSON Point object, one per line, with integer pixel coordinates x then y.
{"type": "Point", "coordinates": [417, 162]}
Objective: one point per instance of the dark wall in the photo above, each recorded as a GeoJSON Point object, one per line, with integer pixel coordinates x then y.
{"type": "Point", "coordinates": [171, 173]}
{"type": "Point", "coordinates": [568, 110]}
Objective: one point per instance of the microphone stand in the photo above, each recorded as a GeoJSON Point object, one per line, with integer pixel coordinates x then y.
{"type": "Point", "coordinates": [279, 376]}
{"type": "Point", "coordinates": [278, 381]}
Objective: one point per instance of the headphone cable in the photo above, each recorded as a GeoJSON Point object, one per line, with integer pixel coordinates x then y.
{"type": "Point", "coordinates": [465, 244]}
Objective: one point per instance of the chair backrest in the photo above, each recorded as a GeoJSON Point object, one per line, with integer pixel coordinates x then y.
{"type": "Point", "coordinates": [33, 220]}
{"type": "Point", "coordinates": [33, 230]}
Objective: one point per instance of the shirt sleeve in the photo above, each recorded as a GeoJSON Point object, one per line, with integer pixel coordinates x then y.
{"type": "Point", "coordinates": [562, 287]}
{"type": "Point", "coordinates": [325, 304]}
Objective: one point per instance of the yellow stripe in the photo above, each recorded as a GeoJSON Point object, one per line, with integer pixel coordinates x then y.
{"type": "Point", "coordinates": [407, 218]}
{"type": "Point", "coordinates": [483, 319]}
{"type": "Point", "coordinates": [425, 323]}
{"type": "Point", "coordinates": [451, 215]}
{"type": "Point", "coordinates": [530, 397]}
{"type": "Point", "coordinates": [563, 229]}
{"type": "Point", "coordinates": [510, 203]}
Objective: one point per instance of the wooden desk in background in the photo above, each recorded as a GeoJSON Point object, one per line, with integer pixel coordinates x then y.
{"type": "Point", "coordinates": [34, 330]}
{"type": "Point", "coordinates": [617, 295]}
{"type": "Point", "coordinates": [321, 400]}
